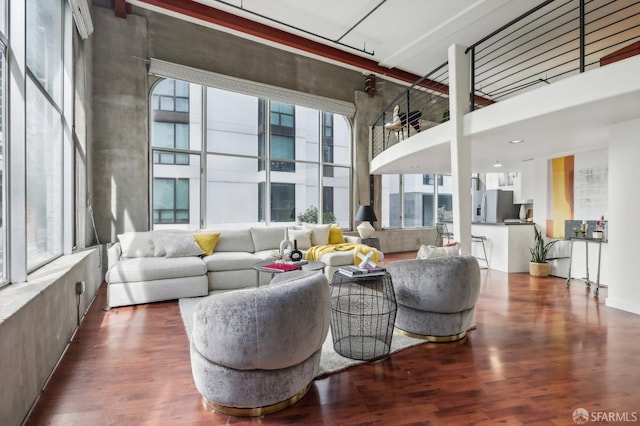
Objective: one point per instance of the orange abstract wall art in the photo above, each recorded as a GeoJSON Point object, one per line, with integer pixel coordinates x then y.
{"type": "Point", "coordinates": [561, 194]}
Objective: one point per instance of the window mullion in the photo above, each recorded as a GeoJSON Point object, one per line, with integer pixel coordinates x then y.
{"type": "Point", "coordinates": [203, 159]}
{"type": "Point", "coordinates": [320, 169]}
{"type": "Point", "coordinates": [16, 144]}
{"type": "Point", "coordinates": [267, 163]}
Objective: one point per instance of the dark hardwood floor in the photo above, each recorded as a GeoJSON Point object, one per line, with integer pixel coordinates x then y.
{"type": "Point", "coordinates": [540, 351]}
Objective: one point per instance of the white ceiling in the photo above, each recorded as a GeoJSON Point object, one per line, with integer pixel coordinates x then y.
{"type": "Point", "coordinates": [414, 36]}
{"type": "Point", "coordinates": [411, 35]}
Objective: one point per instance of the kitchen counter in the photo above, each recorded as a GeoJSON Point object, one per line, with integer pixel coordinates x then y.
{"type": "Point", "coordinates": [507, 245]}
{"type": "Point", "coordinates": [503, 223]}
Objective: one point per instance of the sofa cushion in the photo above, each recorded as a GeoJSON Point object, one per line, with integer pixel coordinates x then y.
{"type": "Point", "coordinates": [319, 233]}
{"type": "Point", "coordinates": [234, 240]}
{"type": "Point", "coordinates": [207, 241]}
{"type": "Point", "coordinates": [158, 248]}
{"type": "Point", "coordinates": [302, 238]}
{"type": "Point", "coordinates": [267, 238]}
{"type": "Point", "coordinates": [230, 261]}
{"type": "Point", "coordinates": [338, 258]}
{"type": "Point", "coordinates": [264, 255]}
{"type": "Point", "coordinates": [136, 244]}
{"type": "Point", "coordinates": [155, 268]}
{"type": "Point", "coordinates": [335, 235]}
{"type": "Point", "coordinates": [180, 245]}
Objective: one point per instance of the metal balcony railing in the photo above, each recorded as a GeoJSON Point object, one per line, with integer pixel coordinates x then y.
{"type": "Point", "coordinates": [554, 40]}
{"type": "Point", "coordinates": [423, 105]}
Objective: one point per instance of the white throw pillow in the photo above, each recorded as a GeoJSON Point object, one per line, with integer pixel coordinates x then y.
{"type": "Point", "coordinates": [179, 245]}
{"type": "Point", "coordinates": [432, 252]}
{"type": "Point", "coordinates": [319, 233]}
{"type": "Point", "coordinates": [136, 244]}
{"type": "Point", "coordinates": [453, 249]}
{"type": "Point", "coordinates": [158, 248]}
{"type": "Point", "coordinates": [302, 236]}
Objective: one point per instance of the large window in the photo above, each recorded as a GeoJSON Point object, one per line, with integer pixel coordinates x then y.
{"type": "Point", "coordinates": [262, 160]}
{"type": "Point", "coordinates": [36, 171]}
{"type": "Point", "coordinates": [44, 135]}
{"type": "Point", "coordinates": [408, 200]}
{"type": "Point", "coordinates": [3, 186]}
{"type": "Point", "coordinates": [170, 200]}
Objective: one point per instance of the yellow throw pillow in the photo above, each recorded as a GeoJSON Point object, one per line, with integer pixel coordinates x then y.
{"type": "Point", "coordinates": [335, 235]}
{"type": "Point", "coordinates": [207, 241]}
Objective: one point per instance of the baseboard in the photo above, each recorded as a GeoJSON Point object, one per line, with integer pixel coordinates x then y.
{"type": "Point", "coordinates": [623, 305]}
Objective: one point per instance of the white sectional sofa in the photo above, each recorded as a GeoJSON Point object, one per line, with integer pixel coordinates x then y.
{"type": "Point", "coordinates": [140, 270]}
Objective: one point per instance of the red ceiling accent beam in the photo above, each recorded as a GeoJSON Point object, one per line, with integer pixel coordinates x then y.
{"type": "Point", "coordinates": [219, 17]}
{"type": "Point", "coordinates": [121, 8]}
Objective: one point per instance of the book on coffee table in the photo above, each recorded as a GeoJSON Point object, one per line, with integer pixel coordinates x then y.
{"type": "Point", "coordinates": [281, 267]}
{"type": "Point", "coordinates": [361, 271]}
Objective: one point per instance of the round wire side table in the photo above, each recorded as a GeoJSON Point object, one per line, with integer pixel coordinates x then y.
{"type": "Point", "coordinates": [363, 313]}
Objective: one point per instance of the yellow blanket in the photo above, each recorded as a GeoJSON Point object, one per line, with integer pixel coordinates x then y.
{"type": "Point", "coordinates": [316, 252]}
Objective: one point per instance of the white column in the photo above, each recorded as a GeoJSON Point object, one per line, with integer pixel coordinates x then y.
{"type": "Point", "coordinates": [459, 89]}
{"type": "Point", "coordinates": [624, 204]}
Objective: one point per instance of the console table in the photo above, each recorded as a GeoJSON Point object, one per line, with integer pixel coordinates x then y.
{"type": "Point", "coordinates": [587, 241]}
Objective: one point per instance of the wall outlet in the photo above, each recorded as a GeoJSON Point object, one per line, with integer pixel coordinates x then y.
{"type": "Point", "coordinates": [80, 287]}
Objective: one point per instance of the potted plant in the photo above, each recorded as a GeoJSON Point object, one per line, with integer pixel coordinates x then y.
{"type": "Point", "coordinates": [538, 264]}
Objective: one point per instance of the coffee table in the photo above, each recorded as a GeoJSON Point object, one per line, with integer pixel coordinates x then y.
{"type": "Point", "coordinates": [363, 314]}
{"type": "Point", "coordinates": [311, 265]}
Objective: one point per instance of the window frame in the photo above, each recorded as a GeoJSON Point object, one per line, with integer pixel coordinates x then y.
{"type": "Point", "coordinates": [262, 157]}
{"type": "Point", "coordinates": [17, 76]}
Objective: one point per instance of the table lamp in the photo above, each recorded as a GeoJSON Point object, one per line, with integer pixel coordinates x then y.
{"type": "Point", "coordinates": [366, 215]}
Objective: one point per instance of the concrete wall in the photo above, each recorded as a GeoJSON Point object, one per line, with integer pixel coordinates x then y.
{"type": "Point", "coordinates": [120, 155]}
{"type": "Point", "coordinates": [120, 110]}
{"type": "Point", "coordinates": [37, 320]}
{"type": "Point", "coordinates": [82, 134]}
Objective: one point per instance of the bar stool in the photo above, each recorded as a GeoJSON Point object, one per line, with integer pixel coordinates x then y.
{"type": "Point", "coordinates": [481, 239]}
{"type": "Point", "coordinates": [442, 233]}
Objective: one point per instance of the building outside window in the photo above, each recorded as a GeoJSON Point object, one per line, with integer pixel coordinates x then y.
{"type": "Point", "coordinates": [3, 196]}
{"type": "Point", "coordinates": [170, 200]}
{"type": "Point", "coordinates": [44, 135]}
{"type": "Point", "coordinates": [263, 161]}
{"type": "Point", "coordinates": [283, 135]}
{"type": "Point", "coordinates": [408, 200]}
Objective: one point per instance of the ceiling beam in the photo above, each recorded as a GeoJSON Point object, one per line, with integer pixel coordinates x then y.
{"type": "Point", "coordinates": [217, 17]}
{"type": "Point", "coordinates": [221, 18]}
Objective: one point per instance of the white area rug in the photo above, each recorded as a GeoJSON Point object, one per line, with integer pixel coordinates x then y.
{"type": "Point", "coordinates": [330, 361]}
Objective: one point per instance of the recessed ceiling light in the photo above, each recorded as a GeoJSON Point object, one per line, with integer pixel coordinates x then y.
{"type": "Point", "coordinates": [414, 166]}
{"type": "Point", "coordinates": [515, 141]}
{"type": "Point", "coordinates": [497, 164]}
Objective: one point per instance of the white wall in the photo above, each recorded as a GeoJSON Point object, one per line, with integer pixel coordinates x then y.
{"type": "Point", "coordinates": [624, 206]}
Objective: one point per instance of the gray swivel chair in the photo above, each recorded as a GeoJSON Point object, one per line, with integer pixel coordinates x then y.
{"type": "Point", "coordinates": [436, 297]}
{"type": "Point", "coordinates": [256, 351]}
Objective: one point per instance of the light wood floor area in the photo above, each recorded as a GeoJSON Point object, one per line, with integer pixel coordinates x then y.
{"type": "Point", "coordinates": [540, 351]}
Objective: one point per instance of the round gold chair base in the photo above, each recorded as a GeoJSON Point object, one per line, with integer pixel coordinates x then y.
{"type": "Point", "coordinates": [257, 411]}
{"type": "Point", "coordinates": [434, 339]}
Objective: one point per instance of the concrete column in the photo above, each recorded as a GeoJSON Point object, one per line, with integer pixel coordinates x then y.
{"type": "Point", "coordinates": [459, 88]}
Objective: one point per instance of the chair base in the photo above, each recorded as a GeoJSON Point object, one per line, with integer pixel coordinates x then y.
{"type": "Point", "coordinates": [257, 411]}
{"type": "Point", "coordinates": [433, 339]}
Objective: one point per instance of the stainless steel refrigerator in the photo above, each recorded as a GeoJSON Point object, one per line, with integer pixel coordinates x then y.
{"type": "Point", "coordinates": [493, 206]}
